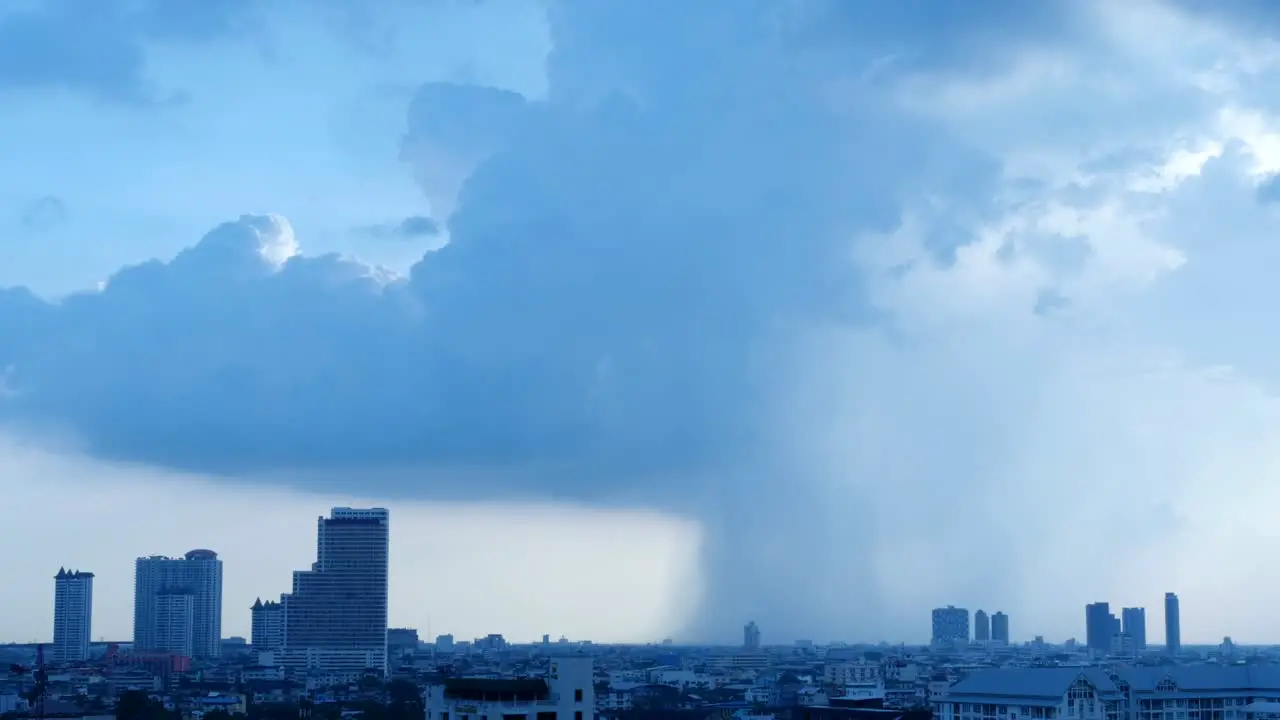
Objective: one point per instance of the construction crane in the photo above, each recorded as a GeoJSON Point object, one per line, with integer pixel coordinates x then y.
{"type": "Point", "coordinates": [39, 685]}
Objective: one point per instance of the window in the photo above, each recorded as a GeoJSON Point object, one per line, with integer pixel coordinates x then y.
{"type": "Point", "coordinates": [577, 715]}
{"type": "Point", "coordinates": [577, 695]}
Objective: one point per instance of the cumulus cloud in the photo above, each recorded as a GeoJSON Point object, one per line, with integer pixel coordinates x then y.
{"type": "Point", "coordinates": [415, 227]}
{"type": "Point", "coordinates": [100, 48]}
{"type": "Point", "coordinates": [903, 312]}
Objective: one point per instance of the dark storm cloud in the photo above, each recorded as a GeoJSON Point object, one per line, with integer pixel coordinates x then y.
{"type": "Point", "coordinates": [625, 260]}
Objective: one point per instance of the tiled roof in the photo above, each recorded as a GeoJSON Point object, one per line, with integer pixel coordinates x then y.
{"type": "Point", "coordinates": [1205, 677]}
{"type": "Point", "coordinates": [1030, 682]}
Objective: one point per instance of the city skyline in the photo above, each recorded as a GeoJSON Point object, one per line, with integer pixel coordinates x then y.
{"type": "Point", "coordinates": [949, 623]}
{"type": "Point", "coordinates": [834, 315]}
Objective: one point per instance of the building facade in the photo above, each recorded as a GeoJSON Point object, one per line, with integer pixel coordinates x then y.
{"type": "Point", "coordinates": [267, 627]}
{"type": "Point", "coordinates": [1071, 693]}
{"type": "Point", "coordinates": [1134, 624]}
{"type": "Point", "coordinates": [336, 614]}
{"type": "Point", "coordinates": [157, 579]}
{"type": "Point", "coordinates": [981, 627]}
{"type": "Point", "coordinates": [72, 615]}
{"type": "Point", "coordinates": [1180, 692]}
{"type": "Point", "coordinates": [950, 625]}
{"type": "Point", "coordinates": [566, 693]}
{"type": "Point", "coordinates": [1000, 628]}
{"type": "Point", "coordinates": [1172, 624]}
{"type": "Point", "coordinates": [173, 621]}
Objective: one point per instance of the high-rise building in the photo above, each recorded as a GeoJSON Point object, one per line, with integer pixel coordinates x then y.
{"type": "Point", "coordinates": [198, 574]}
{"type": "Point", "coordinates": [1000, 628]}
{"type": "Point", "coordinates": [72, 615]}
{"type": "Point", "coordinates": [336, 615]}
{"type": "Point", "coordinates": [173, 621]}
{"type": "Point", "coordinates": [981, 627]}
{"type": "Point", "coordinates": [1172, 624]}
{"type": "Point", "coordinates": [950, 625]}
{"type": "Point", "coordinates": [267, 627]}
{"type": "Point", "coordinates": [1100, 626]}
{"type": "Point", "coordinates": [1134, 624]}
{"type": "Point", "coordinates": [751, 636]}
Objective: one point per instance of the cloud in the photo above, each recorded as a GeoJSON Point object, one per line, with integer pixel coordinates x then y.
{"type": "Point", "coordinates": [415, 227]}
{"type": "Point", "coordinates": [900, 322]}
{"type": "Point", "coordinates": [101, 48]}
{"type": "Point", "coordinates": [43, 214]}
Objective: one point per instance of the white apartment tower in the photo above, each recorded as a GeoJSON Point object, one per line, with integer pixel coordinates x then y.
{"type": "Point", "coordinates": [72, 615]}
{"type": "Point", "coordinates": [161, 618]}
{"type": "Point", "coordinates": [335, 619]}
{"type": "Point", "coordinates": [173, 621]}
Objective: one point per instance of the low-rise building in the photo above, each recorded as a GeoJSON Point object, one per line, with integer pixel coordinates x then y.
{"type": "Point", "coordinates": [565, 693]}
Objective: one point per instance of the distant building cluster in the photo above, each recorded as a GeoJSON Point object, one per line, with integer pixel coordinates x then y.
{"type": "Point", "coordinates": [951, 627]}
{"type": "Point", "coordinates": [1106, 634]}
{"type": "Point", "coordinates": [333, 619]}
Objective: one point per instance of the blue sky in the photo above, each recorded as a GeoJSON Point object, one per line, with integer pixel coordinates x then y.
{"type": "Point", "coordinates": [959, 303]}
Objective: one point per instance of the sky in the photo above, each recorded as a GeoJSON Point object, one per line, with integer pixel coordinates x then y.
{"type": "Point", "coordinates": [648, 319]}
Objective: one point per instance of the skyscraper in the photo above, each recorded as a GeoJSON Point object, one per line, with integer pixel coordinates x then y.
{"type": "Point", "coordinates": [1000, 628]}
{"type": "Point", "coordinates": [751, 636]}
{"type": "Point", "coordinates": [72, 615]}
{"type": "Point", "coordinates": [1100, 626]}
{"type": "Point", "coordinates": [336, 616]}
{"type": "Point", "coordinates": [981, 627]}
{"type": "Point", "coordinates": [1172, 624]}
{"type": "Point", "coordinates": [950, 625]}
{"type": "Point", "coordinates": [198, 574]}
{"type": "Point", "coordinates": [267, 629]}
{"type": "Point", "coordinates": [1134, 624]}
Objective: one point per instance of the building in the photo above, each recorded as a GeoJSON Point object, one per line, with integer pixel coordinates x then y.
{"type": "Point", "coordinates": [173, 621]}
{"type": "Point", "coordinates": [198, 574]}
{"type": "Point", "coordinates": [1078, 693]}
{"type": "Point", "coordinates": [1100, 627]}
{"type": "Point", "coordinates": [1172, 624]}
{"type": "Point", "coordinates": [1180, 692]}
{"type": "Point", "coordinates": [72, 615]}
{"type": "Point", "coordinates": [336, 615]}
{"type": "Point", "coordinates": [950, 625]}
{"type": "Point", "coordinates": [981, 627]}
{"type": "Point", "coordinates": [565, 693]}
{"type": "Point", "coordinates": [751, 636]}
{"type": "Point", "coordinates": [267, 626]}
{"type": "Point", "coordinates": [1134, 624]}
{"type": "Point", "coordinates": [1000, 628]}
{"type": "Point", "coordinates": [405, 641]}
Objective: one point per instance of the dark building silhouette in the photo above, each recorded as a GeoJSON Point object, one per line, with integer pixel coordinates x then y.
{"type": "Point", "coordinates": [1134, 624]}
{"type": "Point", "coordinates": [1000, 628]}
{"type": "Point", "coordinates": [1100, 626]}
{"type": "Point", "coordinates": [981, 627]}
{"type": "Point", "coordinates": [1172, 624]}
